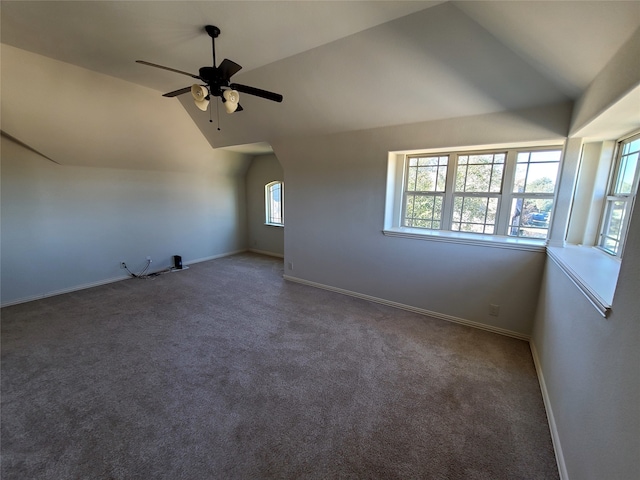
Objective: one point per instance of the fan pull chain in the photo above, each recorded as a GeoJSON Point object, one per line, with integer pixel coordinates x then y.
{"type": "Point", "coordinates": [218, 113]}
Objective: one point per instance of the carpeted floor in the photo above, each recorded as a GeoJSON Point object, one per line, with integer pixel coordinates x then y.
{"type": "Point", "coordinates": [226, 371]}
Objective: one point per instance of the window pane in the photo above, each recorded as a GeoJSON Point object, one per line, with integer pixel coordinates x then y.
{"type": "Point", "coordinates": [423, 211]}
{"type": "Point", "coordinates": [626, 174]}
{"type": "Point", "coordinates": [521, 177]}
{"type": "Point", "coordinates": [480, 173]}
{"type": "Point", "coordinates": [542, 178]}
{"type": "Point", "coordinates": [545, 156]}
{"type": "Point", "coordinates": [530, 217]}
{"type": "Point", "coordinates": [274, 203]}
{"type": "Point", "coordinates": [537, 172]}
{"type": "Point", "coordinates": [275, 192]}
{"type": "Point", "coordinates": [411, 179]}
{"type": "Point", "coordinates": [474, 214]}
{"type": "Point", "coordinates": [427, 174]}
{"type": "Point", "coordinates": [631, 147]}
{"type": "Point", "coordinates": [611, 245]}
{"type": "Point", "coordinates": [615, 217]}
{"type": "Point", "coordinates": [612, 232]}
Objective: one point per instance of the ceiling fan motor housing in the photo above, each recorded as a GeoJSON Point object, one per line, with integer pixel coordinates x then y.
{"type": "Point", "coordinates": [213, 77]}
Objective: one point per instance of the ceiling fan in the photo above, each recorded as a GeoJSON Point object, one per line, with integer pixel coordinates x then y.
{"type": "Point", "coordinates": [217, 81]}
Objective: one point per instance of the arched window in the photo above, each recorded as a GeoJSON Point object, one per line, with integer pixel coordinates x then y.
{"type": "Point", "coordinates": [274, 202]}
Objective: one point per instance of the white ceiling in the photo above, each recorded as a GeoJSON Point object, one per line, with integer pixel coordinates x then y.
{"type": "Point", "coordinates": [341, 65]}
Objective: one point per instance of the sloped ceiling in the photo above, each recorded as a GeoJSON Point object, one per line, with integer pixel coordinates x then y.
{"type": "Point", "coordinates": [340, 65]}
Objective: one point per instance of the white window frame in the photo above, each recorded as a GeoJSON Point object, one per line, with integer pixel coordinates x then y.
{"type": "Point", "coordinates": [271, 217]}
{"type": "Point", "coordinates": [628, 199]}
{"type": "Point", "coordinates": [394, 210]}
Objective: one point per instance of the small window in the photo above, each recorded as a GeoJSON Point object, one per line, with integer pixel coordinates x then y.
{"type": "Point", "coordinates": [274, 196]}
{"type": "Point", "coordinates": [622, 193]}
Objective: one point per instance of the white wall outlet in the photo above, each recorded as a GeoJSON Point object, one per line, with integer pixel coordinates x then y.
{"type": "Point", "coordinates": [290, 265]}
{"type": "Point", "coordinates": [494, 310]}
{"type": "Point", "coordinates": [149, 258]}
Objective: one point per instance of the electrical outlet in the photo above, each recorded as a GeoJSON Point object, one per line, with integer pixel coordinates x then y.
{"type": "Point", "coordinates": [149, 258]}
{"type": "Point", "coordinates": [290, 265]}
{"type": "Point", "coordinates": [494, 310]}
{"type": "Point", "coordinates": [123, 265]}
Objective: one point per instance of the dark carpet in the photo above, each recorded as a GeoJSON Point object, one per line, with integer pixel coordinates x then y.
{"type": "Point", "coordinates": [227, 371]}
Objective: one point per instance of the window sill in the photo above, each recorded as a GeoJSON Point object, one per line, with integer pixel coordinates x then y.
{"type": "Point", "coordinates": [494, 241]}
{"type": "Point", "coordinates": [594, 272]}
{"type": "Point", "coordinates": [281, 225]}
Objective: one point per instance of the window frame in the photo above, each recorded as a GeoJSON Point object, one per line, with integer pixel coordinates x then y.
{"type": "Point", "coordinates": [396, 217]}
{"type": "Point", "coordinates": [612, 197]}
{"type": "Point", "coordinates": [268, 201]}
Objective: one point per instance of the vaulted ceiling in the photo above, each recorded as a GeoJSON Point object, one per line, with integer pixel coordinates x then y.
{"type": "Point", "coordinates": [340, 65]}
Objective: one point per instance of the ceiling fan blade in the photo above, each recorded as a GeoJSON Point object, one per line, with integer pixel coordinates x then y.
{"type": "Point", "coordinates": [276, 97]}
{"type": "Point", "coordinates": [175, 93]}
{"type": "Point", "coordinates": [168, 68]}
{"type": "Point", "coordinates": [239, 109]}
{"type": "Point", "coordinates": [228, 68]}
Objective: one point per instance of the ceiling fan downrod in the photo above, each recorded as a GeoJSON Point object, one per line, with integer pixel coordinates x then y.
{"type": "Point", "coordinates": [213, 32]}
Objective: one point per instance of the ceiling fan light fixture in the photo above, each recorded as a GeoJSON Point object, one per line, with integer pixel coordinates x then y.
{"type": "Point", "coordinates": [200, 96]}
{"type": "Point", "coordinates": [232, 98]}
{"type": "Point", "coordinates": [198, 92]}
{"type": "Point", "coordinates": [202, 105]}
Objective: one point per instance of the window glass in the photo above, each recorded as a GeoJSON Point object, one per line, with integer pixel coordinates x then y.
{"type": "Point", "coordinates": [474, 214]}
{"type": "Point", "coordinates": [536, 172]}
{"type": "Point", "coordinates": [425, 184]}
{"type": "Point", "coordinates": [530, 217]}
{"type": "Point", "coordinates": [480, 173]}
{"type": "Point", "coordinates": [534, 185]}
{"type": "Point", "coordinates": [628, 167]}
{"type": "Point", "coordinates": [274, 203]}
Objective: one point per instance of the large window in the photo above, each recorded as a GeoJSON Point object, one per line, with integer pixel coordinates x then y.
{"type": "Point", "coordinates": [505, 192]}
{"type": "Point", "coordinates": [274, 196]}
{"type": "Point", "coordinates": [622, 193]}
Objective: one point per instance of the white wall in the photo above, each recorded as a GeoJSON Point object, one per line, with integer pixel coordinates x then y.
{"type": "Point", "coordinates": [588, 364]}
{"type": "Point", "coordinates": [263, 238]}
{"type": "Point", "coordinates": [335, 210]}
{"type": "Point", "coordinates": [137, 178]}
{"type": "Point", "coordinates": [619, 77]}
{"type": "Point", "coordinates": [590, 369]}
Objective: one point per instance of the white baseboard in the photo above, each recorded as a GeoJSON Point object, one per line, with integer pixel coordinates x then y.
{"type": "Point", "coordinates": [213, 257]}
{"type": "Point", "coordinates": [84, 286]}
{"type": "Point", "coordinates": [263, 252]}
{"type": "Point", "coordinates": [421, 311]}
{"type": "Point", "coordinates": [555, 437]}
{"type": "Point", "coordinates": [54, 293]}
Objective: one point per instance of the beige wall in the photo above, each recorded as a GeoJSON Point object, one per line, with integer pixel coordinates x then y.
{"type": "Point", "coordinates": [588, 364]}
{"type": "Point", "coordinates": [590, 368]}
{"type": "Point", "coordinates": [151, 184]}
{"type": "Point", "coordinates": [335, 211]}
{"type": "Point", "coordinates": [263, 238]}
